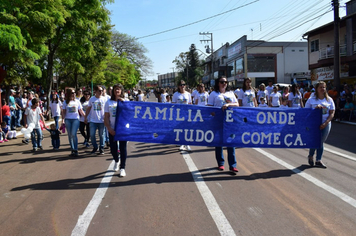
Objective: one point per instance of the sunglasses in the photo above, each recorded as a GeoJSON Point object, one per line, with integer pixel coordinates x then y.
{"type": "Point", "coordinates": [182, 84]}
{"type": "Point", "coordinates": [223, 82]}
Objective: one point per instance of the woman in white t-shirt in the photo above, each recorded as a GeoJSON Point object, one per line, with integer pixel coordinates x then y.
{"type": "Point", "coordinates": [71, 111]}
{"type": "Point", "coordinates": [275, 98]}
{"type": "Point", "coordinates": [163, 96]}
{"type": "Point", "coordinates": [201, 97]}
{"type": "Point", "coordinates": [140, 96]}
{"type": "Point", "coordinates": [182, 97]}
{"type": "Point", "coordinates": [247, 97]}
{"type": "Point", "coordinates": [55, 106]}
{"type": "Point", "coordinates": [262, 93]}
{"type": "Point", "coordinates": [109, 121]}
{"type": "Point", "coordinates": [295, 97]}
{"type": "Point", "coordinates": [223, 99]}
{"type": "Point", "coordinates": [321, 100]}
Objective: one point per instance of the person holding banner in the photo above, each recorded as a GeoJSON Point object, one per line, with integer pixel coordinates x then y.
{"type": "Point", "coordinates": [223, 99]}
{"type": "Point", "coordinates": [109, 121]}
{"type": "Point", "coordinates": [321, 100]}
{"type": "Point", "coordinates": [247, 97]}
{"type": "Point", "coordinates": [182, 97]}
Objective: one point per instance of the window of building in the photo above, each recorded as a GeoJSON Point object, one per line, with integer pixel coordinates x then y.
{"type": "Point", "coordinates": [256, 63]}
{"type": "Point", "coordinates": [231, 69]}
{"type": "Point", "coordinates": [314, 45]}
{"type": "Point", "coordinates": [239, 68]}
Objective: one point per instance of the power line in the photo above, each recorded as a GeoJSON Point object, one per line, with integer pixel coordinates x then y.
{"type": "Point", "coordinates": [179, 27]}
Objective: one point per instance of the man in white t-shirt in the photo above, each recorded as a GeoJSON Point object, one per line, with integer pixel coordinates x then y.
{"type": "Point", "coordinates": [96, 111]}
{"type": "Point", "coordinates": [33, 115]}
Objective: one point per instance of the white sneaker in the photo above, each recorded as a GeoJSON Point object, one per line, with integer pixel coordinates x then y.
{"type": "Point", "coordinates": [188, 148]}
{"type": "Point", "coordinates": [122, 173]}
{"type": "Point", "coordinates": [182, 148]}
{"type": "Point", "coordinates": [116, 166]}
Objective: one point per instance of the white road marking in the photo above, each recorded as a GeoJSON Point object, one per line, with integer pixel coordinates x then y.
{"type": "Point", "coordinates": [84, 220]}
{"type": "Point", "coordinates": [340, 154]}
{"type": "Point", "coordinates": [310, 178]}
{"type": "Point", "coordinates": [216, 213]}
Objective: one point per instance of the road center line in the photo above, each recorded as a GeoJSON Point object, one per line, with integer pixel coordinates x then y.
{"type": "Point", "coordinates": [84, 220]}
{"type": "Point", "coordinates": [310, 178]}
{"type": "Point", "coordinates": [340, 154]}
{"type": "Point", "coordinates": [216, 213]}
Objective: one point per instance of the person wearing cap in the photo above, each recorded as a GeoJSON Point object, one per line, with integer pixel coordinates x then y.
{"type": "Point", "coordinates": [12, 106]}
{"type": "Point", "coordinates": [19, 109]}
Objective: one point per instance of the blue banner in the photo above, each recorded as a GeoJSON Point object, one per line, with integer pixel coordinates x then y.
{"type": "Point", "coordinates": [210, 126]}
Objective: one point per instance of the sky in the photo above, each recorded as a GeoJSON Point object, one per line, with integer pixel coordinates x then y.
{"type": "Point", "coordinates": [228, 20]}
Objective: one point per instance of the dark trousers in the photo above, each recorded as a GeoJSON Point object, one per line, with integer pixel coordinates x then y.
{"type": "Point", "coordinates": [85, 127]}
{"type": "Point", "coordinates": [114, 153]}
{"type": "Point", "coordinates": [56, 143]}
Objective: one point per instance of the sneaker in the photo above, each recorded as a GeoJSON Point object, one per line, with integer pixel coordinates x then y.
{"type": "Point", "coordinates": [25, 141]}
{"type": "Point", "coordinates": [14, 137]}
{"type": "Point", "coordinates": [1, 141]}
{"type": "Point", "coordinates": [34, 149]}
{"type": "Point", "coordinates": [5, 140]}
{"type": "Point", "coordinates": [320, 164]}
{"type": "Point", "coordinates": [182, 148]}
{"type": "Point", "coordinates": [75, 154]}
{"type": "Point", "coordinates": [116, 166]}
{"type": "Point", "coordinates": [234, 169]}
{"type": "Point", "coordinates": [40, 147]}
{"type": "Point", "coordinates": [122, 173]}
{"type": "Point", "coordinates": [87, 144]}
{"type": "Point", "coordinates": [221, 168]}
{"type": "Point", "coordinates": [94, 150]}
{"type": "Point", "coordinates": [188, 148]}
{"type": "Point", "coordinates": [101, 152]}
{"type": "Point", "coordinates": [311, 161]}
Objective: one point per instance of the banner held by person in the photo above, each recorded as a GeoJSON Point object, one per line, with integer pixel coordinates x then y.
{"type": "Point", "coordinates": [209, 126]}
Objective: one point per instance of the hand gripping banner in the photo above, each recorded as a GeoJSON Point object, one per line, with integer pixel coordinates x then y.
{"type": "Point", "coordinates": [210, 126]}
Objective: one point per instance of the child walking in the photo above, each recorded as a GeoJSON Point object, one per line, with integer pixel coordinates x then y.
{"type": "Point", "coordinates": [54, 136]}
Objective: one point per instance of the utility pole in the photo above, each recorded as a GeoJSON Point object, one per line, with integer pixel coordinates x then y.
{"type": "Point", "coordinates": [336, 5]}
{"type": "Point", "coordinates": [212, 51]}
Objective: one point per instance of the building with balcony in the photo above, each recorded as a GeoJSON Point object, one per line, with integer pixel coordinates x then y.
{"type": "Point", "coordinates": [321, 49]}
{"type": "Point", "coordinates": [167, 80]}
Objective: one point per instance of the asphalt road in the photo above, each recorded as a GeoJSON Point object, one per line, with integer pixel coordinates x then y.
{"type": "Point", "coordinates": [168, 192]}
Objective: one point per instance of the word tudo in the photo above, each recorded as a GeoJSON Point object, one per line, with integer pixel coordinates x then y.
{"type": "Point", "coordinates": [191, 135]}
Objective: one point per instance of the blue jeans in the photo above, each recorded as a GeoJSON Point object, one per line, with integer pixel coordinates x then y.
{"type": "Point", "coordinates": [18, 113]}
{"type": "Point", "coordinates": [56, 143]}
{"type": "Point", "coordinates": [36, 143]}
{"type": "Point", "coordinates": [72, 126]}
{"type": "Point", "coordinates": [7, 120]}
{"type": "Point", "coordinates": [123, 151]}
{"type": "Point", "coordinates": [230, 156]}
{"type": "Point", "coordinates": [56, 118]}
{"type": "Point", "coordinates": [12, 120]}
{"type": "Point", "coordinates": [100, 127]}
{"type": "Point", "coordinates": [324, 135]}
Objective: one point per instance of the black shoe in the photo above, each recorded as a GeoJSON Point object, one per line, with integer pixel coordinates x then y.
{"type": "Point", "coordinates": [311, 161]}
{"type": "Point", "coordinates": [75, 154]}
{"type": "Point", "coordinates": [101, 152]}
{"type": "Point", "coordinates": [94, 150]}
{"type": "Point", "coordinates": [320, 164]}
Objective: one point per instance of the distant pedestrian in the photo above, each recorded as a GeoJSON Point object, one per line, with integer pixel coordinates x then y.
{"type": "Point", "coordinates": [109, 120]}
{"type": "Point", "coordinates": [295, 97]}
{"type": "Point", "coordinates": [247, 97]}
{"type": "Point", "coordinates": [71, 110]}
{"type": "Point", "coordinates": [33, 115]}
{"type": "Point", "coordinates": [322, 101]}
{"type": "Point", "coordinates": [84, 127]}
{"type": "Point", "coordinates": [56, 106]}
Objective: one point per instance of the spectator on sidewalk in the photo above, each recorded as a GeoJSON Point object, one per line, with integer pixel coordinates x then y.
{"type": "Point", "coordinates": [19, 109]}
{"type": "Point", "coordinates": [33, 115]}
{"type": "Point", "coordinates": [349, 107]}
{"type": "Point", "coordinates": [96, 111]}
{"type": "Point", "coordinates": [5, 111]}
{"type": "Point", "coordinates": [12, 105]}
{"type": "Point", "coordinates": [71, 110]}
{"type": "Point", "coordinates": [9, 134]}
{"type": "Point", "coordinates": [109, 120]}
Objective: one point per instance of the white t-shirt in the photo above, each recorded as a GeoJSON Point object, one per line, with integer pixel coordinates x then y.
{"type": "Point", "coordinates": [262, 94]}
{"type": "Point", "coordinates": [164, 97]}
{"type": "Point", "coordinates": [283, 106]}
{"type": "Point", "coordinates": [85, 106]}
{"type": "Point", "coordinates": [110, 107]}
{"type": "Point", "coordinates": [202, 98]}
{"type": "Point", "coordinates": [24, 102]}
{"type": "Point", "coordinates": [72, 109]}
{"type": "Point", "coordinates": [236, 92]}
{"type": "Point", "coordinates": [33, 116]}
{"type": "Point", "coordinates": [275, 99]}
{"type": "Point", "coordinates": [328, 105]}
{"type": "Point", "coordinates": [182, 98]}
{"type": "Point", "coordinates": [247, 98]}
{"type": "Point", "coordinates": [194, 93]}
{"type": "Point", "coordinates": [56, 108]}
{"type": "Point", "coordinates": [262, 105]}
{"type": "Point", "coordinates": [296, 99]}
{"type": "Point", "coordinates": [218, 99]}
{"type": "Point", "coordinates": [140, 97]}
{"type": "Point", "coordinates": [269, 89]}
{"type": "Point", "coordinates": [97, 109]}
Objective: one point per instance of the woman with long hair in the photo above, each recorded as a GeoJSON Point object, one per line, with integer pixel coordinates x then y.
{"type": "Point", "coordinates": [84, 127]}
{"type": "Point", "coordinates": [220, 97]}
{"type": "Point", "coordinates": [322, 101]}
{"type": "Point", "coordinates": [247, 97]}
{"type": "Point", "coordinates": [295, 97]}
{"type": "Point", "coordinates": [262, 93]}
{"type": "Point", "coordinates": [55, 106]}
{"type": "Point", "coordinates": [109, 121]}
{"type": "Point", "coordinates": [182, 97]}
{"type": "Point", "coordinates": [71, 110]}
{"type": "Point", "coordinates": [275, 98]}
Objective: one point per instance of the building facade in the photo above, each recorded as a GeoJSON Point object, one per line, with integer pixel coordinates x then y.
{"type": "Point", "coordinates": [167, 80]}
